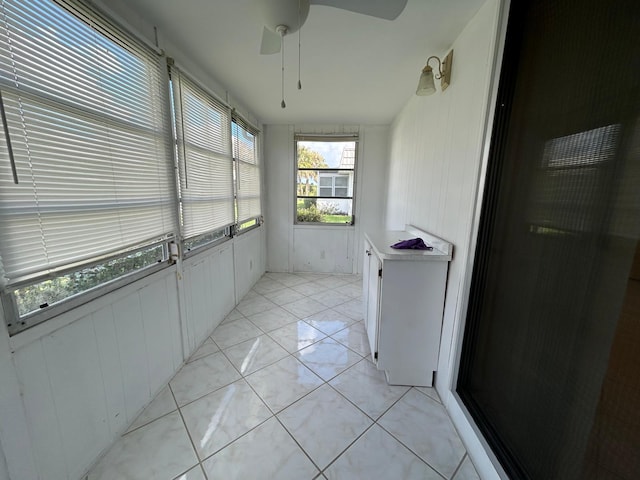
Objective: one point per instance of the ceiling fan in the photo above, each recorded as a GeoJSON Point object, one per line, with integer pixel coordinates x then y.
{"type": "Point", "coordinates": [284, 17]}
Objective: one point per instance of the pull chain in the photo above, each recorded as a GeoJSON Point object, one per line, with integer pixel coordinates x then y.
{"type": "Point", "coordinates": [299, 45]}
{"type": "Point", "coordinates": [282, 104]}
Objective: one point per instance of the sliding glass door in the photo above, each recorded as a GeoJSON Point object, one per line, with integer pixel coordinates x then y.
{"type": "Point", "coordinates": [550, 366]}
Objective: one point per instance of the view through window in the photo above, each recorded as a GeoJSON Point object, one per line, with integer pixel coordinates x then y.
{"type": "Point", "coordinates": [325, 179]}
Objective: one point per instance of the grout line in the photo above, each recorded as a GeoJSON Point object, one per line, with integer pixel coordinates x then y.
{"type": "Point", "coordinates": [184, 423]}
{"type": "Point", "coordinates": [429, 396]}
{"type": "Point", "coordinates": [455, 472]}
{"type": "Point", "coordinates": [298, 444]}
{"type": "Point", "coordinates": [400, 441]}
{"type": "Point", "coordinates": [347, 448]}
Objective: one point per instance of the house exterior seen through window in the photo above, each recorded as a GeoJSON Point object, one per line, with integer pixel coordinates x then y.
{"type": "Point", "coordinates": [325, 179]}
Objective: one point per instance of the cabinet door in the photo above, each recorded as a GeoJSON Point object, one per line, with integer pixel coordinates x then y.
{"type": "Point", "coordinates": [372, 306]}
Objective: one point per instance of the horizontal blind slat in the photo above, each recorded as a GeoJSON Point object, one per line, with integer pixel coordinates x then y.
{"type": "Point", "coordinates": [90, 130]}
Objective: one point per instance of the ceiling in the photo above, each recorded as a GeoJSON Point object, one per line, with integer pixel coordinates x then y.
{"type": "Point", "coordinates": [355, 68]}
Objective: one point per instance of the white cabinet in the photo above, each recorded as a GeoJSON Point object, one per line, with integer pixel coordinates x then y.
{"type": "Point", "coordinates": [403, 300]}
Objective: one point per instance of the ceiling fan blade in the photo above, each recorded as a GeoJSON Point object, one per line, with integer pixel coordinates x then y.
{"type": "Point", "coordinates": [270, 42]}
{"type": "Point", "coordinates": [386, 9]}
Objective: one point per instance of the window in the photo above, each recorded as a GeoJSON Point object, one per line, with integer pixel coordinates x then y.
{"type": "Point", "coordinates": [245, 154]}
{"type": "Point", "coordinates": [325, 179]}
{"type": "Point", "coordinates": [86, 181]}
{"type": "Point", "coordinates": [205, 166]}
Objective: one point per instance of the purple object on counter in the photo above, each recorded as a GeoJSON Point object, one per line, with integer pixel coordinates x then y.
{"type": "Point", "coordinates": [413, 243]}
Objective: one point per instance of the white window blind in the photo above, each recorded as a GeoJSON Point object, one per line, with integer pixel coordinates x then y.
{"type": "Point", "coordinates": [204, 158]}
{"type": "Point", "coordinates": [86, 108]}
{"type": "Point", "coordinates": [245, 152]}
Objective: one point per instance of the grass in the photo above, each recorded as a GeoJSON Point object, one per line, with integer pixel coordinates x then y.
{"type": "Point", "coordinates": [336, 219]}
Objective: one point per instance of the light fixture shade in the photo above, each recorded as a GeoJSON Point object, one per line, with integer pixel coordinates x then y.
{"type": "Point", "coordinates": [426, 85]}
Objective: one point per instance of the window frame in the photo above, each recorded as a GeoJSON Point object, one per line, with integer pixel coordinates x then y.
{"type": "Point", "coordinates": [17, 323]}
{"type": "Point", "coordinates": [247, 224]}
{"type": "Point", "coordinates": [353, 137]}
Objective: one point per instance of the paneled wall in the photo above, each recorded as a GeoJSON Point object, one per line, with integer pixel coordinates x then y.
{"type": "Point", "coordinates": [319, 248]}
{"type": "Point", "coordinates": [84, 376]}
{"type": "Point", "coordinates": [436, 146]}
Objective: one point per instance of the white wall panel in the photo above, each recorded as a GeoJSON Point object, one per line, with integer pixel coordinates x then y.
{"type": "Point", "coordinates": [77, 390]}
{"type": "Point", "coordinates": [4, 473]}
{"type": "Point", "coordinates": [223, 295]}
{"type": "Point", "coordinates": [127, 316]}
{"type": "Point", "coordinates": [109, 355]}
{"type": "Point", "coordinates": [323, 249]}
{"type": "Point", "coordinates": [42, 420]}
{"type": "Point", "coordinates": [156, 322]}
{"type": "Point", "coordinates": [249, 262]}
{"type": "Point", "coordinates": [209, 280]}
{"type": "Point", "coordinates": [85, 382]}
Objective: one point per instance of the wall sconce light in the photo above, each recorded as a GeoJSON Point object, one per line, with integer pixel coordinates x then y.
{"type": "Point", "coordinates": [426, 85]}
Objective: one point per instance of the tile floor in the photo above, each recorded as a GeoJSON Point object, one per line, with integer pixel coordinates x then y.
{"type": "Point", "coordinates": [283, 389]}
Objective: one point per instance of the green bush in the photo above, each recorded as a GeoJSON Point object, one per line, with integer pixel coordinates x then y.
{"type": "Point", "coordinates": [309, 202]}
{"type": "Point", "coordinates": [310, 214]}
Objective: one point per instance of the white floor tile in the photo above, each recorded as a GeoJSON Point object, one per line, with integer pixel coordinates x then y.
{"type": "Point", "coordinates": [324, 424]}
{"type": "Point", "coordinates": [304, 307]}
{"type": "Point", "coordinates": [330, 298]}
{"type": "Point", "coordinates": [233, 315]}
{"type": "Point", "coordinates": [312, 277]}
{"type": "Point", "coordinates": [352, 309]}
{"type": "Point", "coordinates": [266, 284]}
{"type": "Point", "coordinates": [354, 337]}
{"type": "Point", "coordinates": [255, 305]}
{"type": "Point", "coordinates": [207, 348]}
{"type": "Point", "coordinates": [376, 455]}
{"type": "Point", "coordinates": [327, 358]}
{"type": "Point", "coordinates": [288, 279]}
{"type": "Point", "coordinates": [284, 382]}
{"type": "Point", "coordinates": [466, 471]}
{"type": "Point", "coordinates": [160, 450]}
{"type": "Point", "coordinates": [332, 281]}
{"type": "Point", "coordinates": [282, 297]}
{"type": "Point", "coordinates": [430, 392]}
{"type": "Point", "coordinates": [266, 452]}
{"type": "Point", "coordinates": [367, 388]}
{"type": "Point", "coordinates": [254, 354]}
{"type": "Point", "coordinates": [310, 288]}
{"type": "Point", "coordinates": [193, 474]}
{"type": "Point", "coordinates": [353, 290]}
{"type": "Point", "coordinates": [272, 319]}
{"type": "Point", "coordinates": [296, 336]}
{"type": "Point", "coordinates": [219, 418]}
{"type": "Point", "coordinates": [250, 294]}
{"type": "Point", "coordinates": [235, 332]}
{"type": "Point", "coordinates": [202, 376]}
{"type": "Point", "coordinates": [329, 321]}
{"type": "Point", "coordinates": [159, 406]}
{"type": "Point", "coordinates": [422, 425]}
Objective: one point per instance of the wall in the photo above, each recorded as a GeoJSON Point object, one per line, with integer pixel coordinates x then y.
{"type": "Point", "coordinates": [437, 148]}
{"type": "Point", "coordinates": [72, 385]}
{"type": "Point", "coordinates": [334, 249]}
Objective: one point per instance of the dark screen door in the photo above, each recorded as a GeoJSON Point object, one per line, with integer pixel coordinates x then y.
{"type": "Point", "coordinates": [550, 365]}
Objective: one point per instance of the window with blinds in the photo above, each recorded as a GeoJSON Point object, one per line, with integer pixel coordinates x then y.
{"type": "Point", "coordinates": [245, 154]}
{"type": "Point", "coordinates": [205, 164]}
{"type": "Point", "coordinates": [85, 153]}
